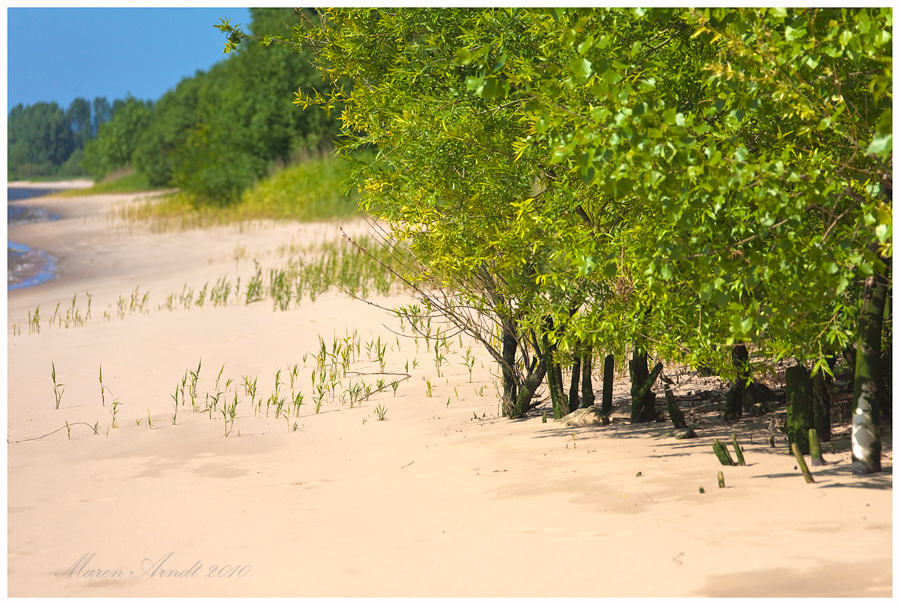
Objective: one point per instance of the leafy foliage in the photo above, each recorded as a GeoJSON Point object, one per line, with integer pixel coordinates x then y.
{"type": "Point", "coordinates": [39, 138]}
{"type": "Point", "coordinates": [691, 179]}
{"type": "Point", "coordinates": [116, 140]}
{"type": "Point", "coordinates": [44, 140]}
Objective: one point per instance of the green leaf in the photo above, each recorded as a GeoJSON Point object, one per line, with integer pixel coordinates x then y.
{"type": "Point", "coordinates": [793, 35]}
{"type": "Point", "coordinates": [580, 68]}
{"type": "Point", "coordinates": [665, 272]}
{"type": "Point", "coordinates": [610, 270]}
{"type": "Point", "coordinates": [881, 146]}
{"type": "Point", "coordinates": [464, 56]}
{"type": "Point", "coordinates": [585, 46]}
{"type": "Point", "coordinates": [474, 83]}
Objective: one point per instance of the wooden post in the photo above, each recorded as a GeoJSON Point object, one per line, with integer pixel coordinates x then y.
{"type": "Point", "coordinates": [802, 463]}
{"type": "Point", "coordinates": [675, 413]}
{"type": "Point", "coordinates": [608, 369]}
{"type": "Point", "coordinates": [574, 398]}
{"type": "Point", "coordinates": [587, 383]}
{"type": "Point", "coordinates": [799, 392]}
{"type": "Point", "coordinates": [734, 400]}
{"type": "Point", "coordinates": [722, 453]}
{"type": "Point", "coordinates": [815, 452]}
{"type": "Point", "coordinates": [738, 452]}
{"type": "Point", "coordinates": [821, 406]}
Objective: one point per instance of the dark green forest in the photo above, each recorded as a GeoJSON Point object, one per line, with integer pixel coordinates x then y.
{"type": "Point", "coordinates": [212, 135]}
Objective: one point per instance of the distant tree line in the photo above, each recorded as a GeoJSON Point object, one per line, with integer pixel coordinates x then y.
{"type": "Point", "coordinates": [47, 140]}
{"type": "Point", "coordinates": [213, 135]}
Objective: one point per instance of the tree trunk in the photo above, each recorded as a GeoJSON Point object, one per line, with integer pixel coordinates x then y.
{"type": "Point", "coordinates": [608, 370]}
{"type": "Point", "coordinates": [643, 400]}
{"type": "Point", "coordinates": [574, 399]}
{"type": "Point", "coordinates": [510, 384]}
{"type": "Point", "coordinates": [867, 383]}
{"type": "Point", "coordinates": [740, 393]}
{"type": "Point", "coordinates": [850, 358]}
{"type": "Point", "coordinates": [821, 406]}
{"type": "Point", "coordinates": [587, 383]}
{"type": "Point", "coordinates": [526, 392]}
{"type": "Point", "coordinates": [799, 393]}
{"type": "Point", "coordinates": [557, 391]}
{"type": "Point", "coordinates": [554, 380]}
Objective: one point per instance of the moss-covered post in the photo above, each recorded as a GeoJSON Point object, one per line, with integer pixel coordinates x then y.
{"type": "Point", "coordinates": [722, 454]}
{"type": "Point", "coordinates": [795, 448]}
{"type": "Point", "coordinates": [587, 383]}
{"type": "Point", "coordinates": [821, 406]}
{"type": "Point", "coordinates": [675, 413]}
{"type": "Point", "coordinates": [867, 386]}
{"type": "Point", "coordinates": [738, 451]}
{"type": "Point", "coordinates": [799, 393]}
{"type": "Point", "coordinates": [739, 392]}
{"type": "Point", "coordinates": [815, 451]}
{"type": "Point", "coordinates": [608, 370]}
{"type": "Point", "coordinates": [574, 398]}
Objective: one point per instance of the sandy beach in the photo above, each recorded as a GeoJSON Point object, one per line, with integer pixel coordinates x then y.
{"type": "Point", "coordinates": [441, 498]}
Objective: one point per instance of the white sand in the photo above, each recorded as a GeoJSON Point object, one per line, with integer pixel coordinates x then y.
{"type": "Point", "coordinates": [70, 184]}
{"type": "Point", "coordinates": [436, 500]}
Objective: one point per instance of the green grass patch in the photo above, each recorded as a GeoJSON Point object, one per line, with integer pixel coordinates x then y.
{"type": "Point", "coordinates": [131, 182]}
{"type": "Point", "coordinates": [308, 191]}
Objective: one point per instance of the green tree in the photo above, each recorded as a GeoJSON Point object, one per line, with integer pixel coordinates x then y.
{"type": "Point", "coordinates": [762, 205]}
{"type": "Point", "coordinates": [79, 117]}
{"type": "Point", "coordinates": [101, 112]}
{"type": "Point", "coordinates": [174, 116]}
{"type": "Point", "coordinates": [697, 179]}
{"type": "Point", "coordinates": [218, 132]}
{"type": "Point", "coordinates": [116, 140]}
{"type": "Point", "coordinates": [39, 139]}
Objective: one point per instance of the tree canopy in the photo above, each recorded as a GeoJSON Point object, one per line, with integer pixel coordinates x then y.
{"type": "Point", "coordinates": [685, 180]}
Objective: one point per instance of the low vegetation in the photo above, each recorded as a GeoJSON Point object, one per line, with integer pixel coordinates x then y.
{"type": "Point", "coordinates": [308, 191]}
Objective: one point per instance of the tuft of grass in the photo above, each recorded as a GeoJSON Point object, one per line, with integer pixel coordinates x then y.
{"type": "Point", "coordinates": [114, 409]}
{"type": "Point", "coordinates": [58, 388]}
{"type": "Point", "coordinates": [380, 412]}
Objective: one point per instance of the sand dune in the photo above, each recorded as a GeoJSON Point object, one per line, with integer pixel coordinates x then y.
{"type": "Point", "coordinates": [441, 498]}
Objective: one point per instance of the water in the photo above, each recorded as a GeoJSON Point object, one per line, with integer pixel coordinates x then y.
{"type": "Point", "coordinates": [14, 194]}
{"type": "Point", "coordinates": [27, 267]}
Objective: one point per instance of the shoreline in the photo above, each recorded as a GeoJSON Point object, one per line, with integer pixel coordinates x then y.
{"type": "Point", "coordinates": [27, 268]}
{"type": "Point", "coordinates": [67, 184]}
{"type": "Point", "coordinates": [441, 498]}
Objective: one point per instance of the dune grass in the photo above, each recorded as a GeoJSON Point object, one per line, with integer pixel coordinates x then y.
{"type": "Point", "coordinates": [308, 191]}
{"type": "Point", "coordinates": [131, 182]}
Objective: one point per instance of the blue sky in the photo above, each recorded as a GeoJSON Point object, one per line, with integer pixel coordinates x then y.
{"type": "Point", "coordinates": [59, 54]}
